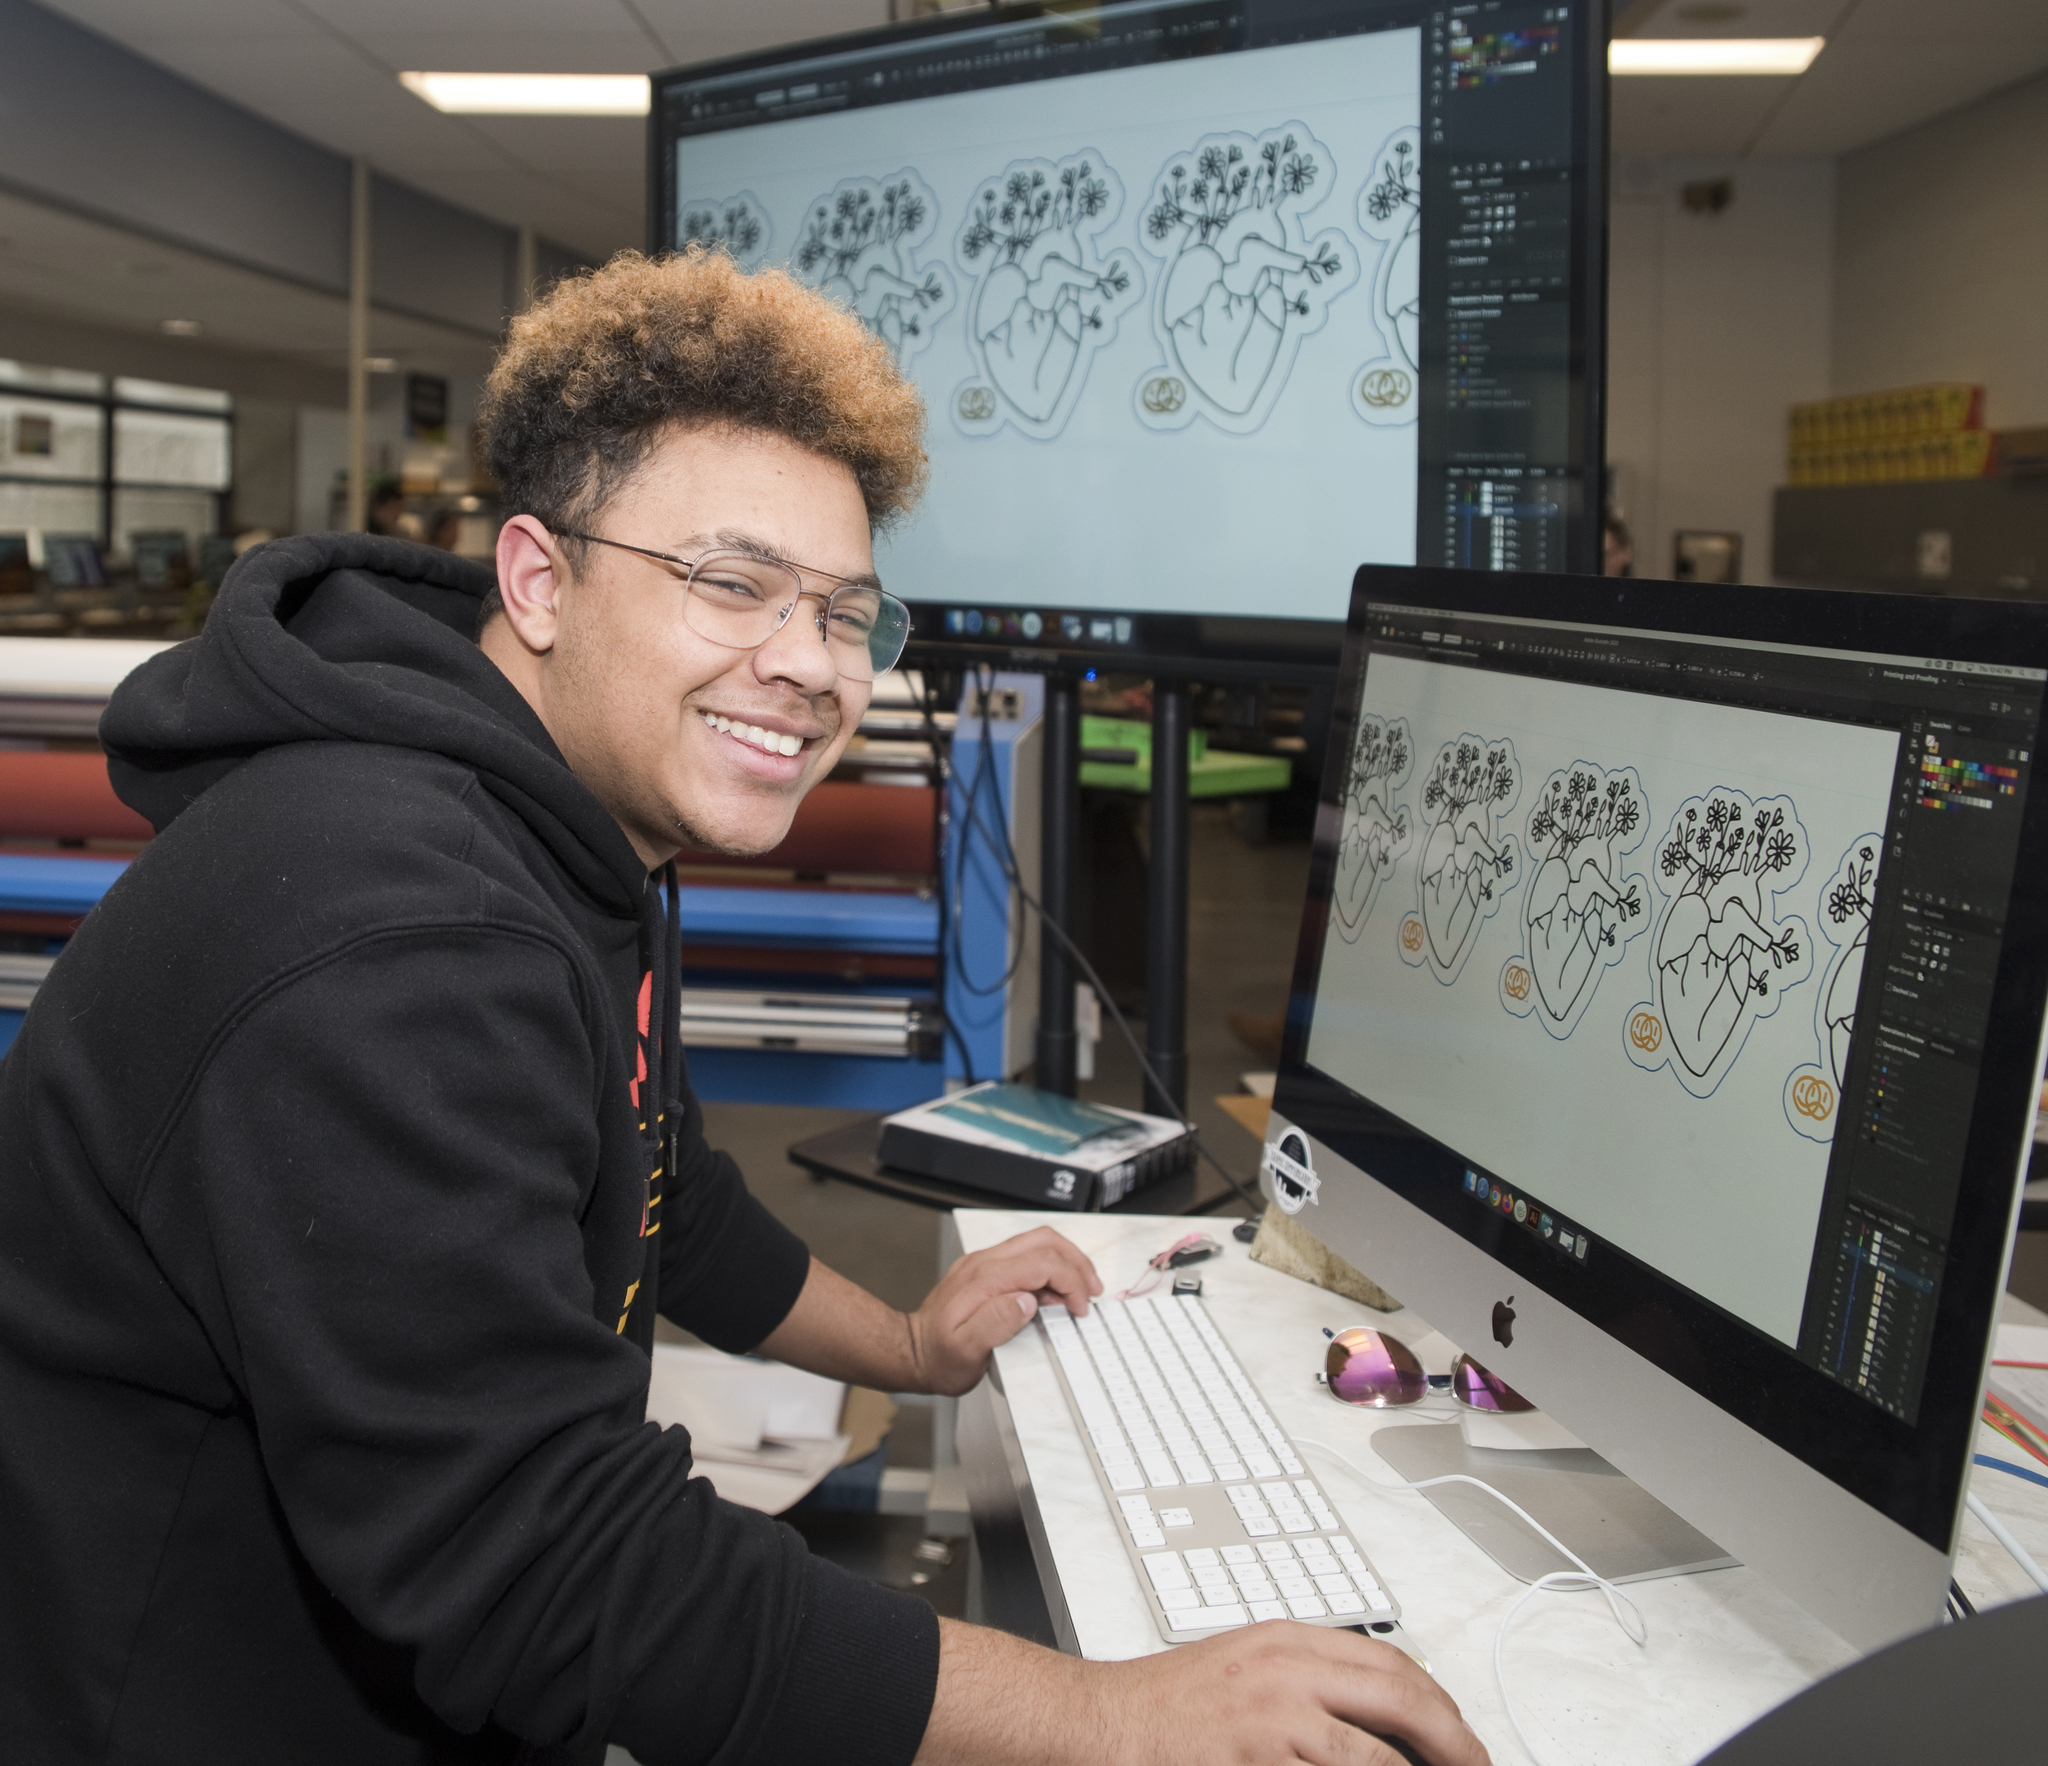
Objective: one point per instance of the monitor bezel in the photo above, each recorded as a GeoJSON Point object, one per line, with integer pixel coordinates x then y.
{"type": "Point", "coordinates": [1224, 647]}
{"type": "Point", "coordinates": [1912, 1474]}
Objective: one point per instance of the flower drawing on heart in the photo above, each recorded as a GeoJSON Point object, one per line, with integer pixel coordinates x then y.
{"type": "Point", "coordinates": [1242, 282]}
{"type": "Point", "coordinates": [1376, 828]}
{"type": "Point", "coordinates": [1046, 295]}
{"type": "Point", "coordinates": [1813, 1093]}
{"type": "Point", "coordinates": [1580, 907]}
{"type": "Point", "coordinates": [1723, 957]}
{"type": "Point", "coordinates": [861, 244]}
{"type": "Point", "coordinates": [737, 225]}
{"type": "Point", "coordinates": [1390, 213]}
{"type": "Point", "coordinates": [1468, 863]}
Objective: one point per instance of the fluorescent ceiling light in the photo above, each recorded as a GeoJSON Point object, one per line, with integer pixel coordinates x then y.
{"type": "Point", "coordinates": [1712, 55]}
{"type": "Point", "coordinates": [539, 95]}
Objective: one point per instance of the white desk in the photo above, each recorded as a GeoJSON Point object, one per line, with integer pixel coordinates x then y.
{"type": "Point", "coordinates": [1724, 1646]}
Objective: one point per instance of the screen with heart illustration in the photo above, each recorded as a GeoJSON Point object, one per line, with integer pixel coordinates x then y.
{"type": "Point", "coordinates": [1207, 303]}
{"type": "Point", "coordinates": [1661, 931]}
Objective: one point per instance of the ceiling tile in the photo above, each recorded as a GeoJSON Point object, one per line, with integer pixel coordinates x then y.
{"type": "Point", "coordinates": [1703, 116]}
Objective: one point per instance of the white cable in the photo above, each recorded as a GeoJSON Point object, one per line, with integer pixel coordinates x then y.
{"type": "Point", "coordinates": [1584, 1576]}
{"type": "Point", "coordinates": [2005, 1538]}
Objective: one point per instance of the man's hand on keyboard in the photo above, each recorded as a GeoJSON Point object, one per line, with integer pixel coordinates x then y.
{"type": "Point", "coordinates": [1264, 1695]}
{"type": "Point", "coordinates": [987, 1298]}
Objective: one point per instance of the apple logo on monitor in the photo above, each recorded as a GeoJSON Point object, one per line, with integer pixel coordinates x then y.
{"type": "Point", "coordinates": [1504, 1322]}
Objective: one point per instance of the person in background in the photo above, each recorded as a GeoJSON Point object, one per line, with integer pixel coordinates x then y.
{"type": "Point", "coordinates": [348, 1152]}
{"type": "Point", "coordinates": [1617, 550]}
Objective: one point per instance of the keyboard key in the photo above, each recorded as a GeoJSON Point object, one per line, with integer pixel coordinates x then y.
{"type": "Point", "coordinates": [1306, 1487]}
{"type": "Point", "coordinates": [1179, 1600]}
{"type": "Point", "coordinates": [1145, 1536]}
{"type": "Point", "coordinates": [1306, 1606]}
{"type": "Point", "coordinates": [1212, 1576]}
{"type": "Point", "coordinates": [1166, 1571]}
{"type": "Point", "coordinates": [1194, 1472]}
{"type": "Point", "coordinates": [1288, 1463]}
{"type": "Point", "coordinates": [1341, 1544]}
{"type": "Point", "coordinates": [1343, 1604]}
{"type": "Point", "coordinates": [1261, 1465]}
{"type": "Point", "coordinates": [1134, 1505]}
{"type": "Point", "coordinates": [1259, 1528]}
{"type": "Point", "coordinates": [1125, 1477]}
{"type": "Point", "coordinates": [1219, 1597]}
{"type": "Point", "coordinates": [1323, 1517]}
{"type": "Point", "coordinates": [1333, 1585]}
{"type": "Point", "coordinates": [1279, 1552]}
{"type": "Point", "coordinates": [1240, 1554]}
{"type": "Point", "coordinates": [1209, 1618]}
{"type": "Point", "coordinates": [1226, 1468]}
{"type": "Point", "coordinates": [1242, 1495]}
{"type": "Point", "coordinates": [1281, 1488]}
{"type": "Point", "coordinates": [1251, 1572]}
{"type": "Point", "coordinates": [1295, 1524]}
{"type": "Point", "coordinates": [1176, 1517]}
{"type": "Point", "coordinates": [1159, 1471]}
{"type": "Point", "coordinates": [1258, 1588]}
{"type": "Point", "coordinates": [1203, 1557]}
{"type": "Point", "coordinates": [1267, 1609]}
{"type": "Point", "coordinates": [1376, 1599]}
{"type": "Point", "coordinates": [1293, 1587]}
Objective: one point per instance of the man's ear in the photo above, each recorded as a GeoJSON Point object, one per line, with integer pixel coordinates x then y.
{"type": "Point", "coordinates": [531, 576]}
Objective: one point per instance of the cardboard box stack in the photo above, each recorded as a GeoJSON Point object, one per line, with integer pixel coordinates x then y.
{"type": "Point", "coordinates": [1914, 432]}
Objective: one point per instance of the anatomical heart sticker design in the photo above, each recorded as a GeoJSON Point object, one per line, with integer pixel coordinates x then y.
{"type": "Point", "coordinates": [736, 225]}
{"type": "Point", "coordinates": [1243, 282]}
{"type": "Point", "coordinates": [1390, 212]}
{"type": "Point", "coordinates": [1813, 1093]}
{"type": "Point", "coordinates": [860, 244]}
{"type": "Point", "coordinates": [1579, 906]}
{"type": "Point", "coordinates": [1046, 296]}
{"type": "Point", "coordinates": [1722, 957]}
{"type": "Point", "coordinates": [1468, 863]}
{"type": "Point", "coordinates": [1376, 828]}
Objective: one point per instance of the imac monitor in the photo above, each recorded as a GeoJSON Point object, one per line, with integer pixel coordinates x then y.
{"type": "Point", "coordinates": [1206, 301]}
{"type": "Point", "coordinates": [1666, 1030]}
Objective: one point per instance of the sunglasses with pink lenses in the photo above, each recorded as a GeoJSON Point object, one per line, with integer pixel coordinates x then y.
{"type": "Point", "coordinates": [1378, 1371]}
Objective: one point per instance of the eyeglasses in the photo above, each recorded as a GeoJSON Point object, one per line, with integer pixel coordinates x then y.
{"type": "Point", "coordinates": [740, 601]}
{"type": "Point", "coordinates": [1370, 1368]}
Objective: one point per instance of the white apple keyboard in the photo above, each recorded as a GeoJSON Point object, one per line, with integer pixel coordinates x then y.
{"type": "Point", "coordinates": [1223, 1523]}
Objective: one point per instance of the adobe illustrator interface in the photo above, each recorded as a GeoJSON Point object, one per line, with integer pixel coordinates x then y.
{"type": "Point", "coordinates": [1175, 257]}
{"type": "Point", "coordinates": [1719, 956]}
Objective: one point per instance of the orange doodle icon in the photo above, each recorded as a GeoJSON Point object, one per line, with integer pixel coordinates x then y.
{"type": "Point", "coordinates": [1813, 1096]}
{"type": "Point", "coordinates": [1411, 934]}
{"type": "Point", "coordinates": [1516, 982]}
{"type": "Point", "coordinates": [1646, 1031]}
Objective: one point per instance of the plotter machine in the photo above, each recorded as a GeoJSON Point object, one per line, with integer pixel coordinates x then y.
{"type": "Point", "coordinates": [879, 952]}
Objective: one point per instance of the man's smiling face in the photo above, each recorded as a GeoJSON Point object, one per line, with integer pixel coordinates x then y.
{"type": "Point", "coordinates": [657, 720]}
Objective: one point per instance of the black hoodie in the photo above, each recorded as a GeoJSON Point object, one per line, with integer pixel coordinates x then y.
{"type": "Point", "coordinates": [331, 1237]}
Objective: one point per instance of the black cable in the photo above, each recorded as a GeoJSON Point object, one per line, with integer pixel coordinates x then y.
{"type": "Point", "coordinates": [1958, 1598]}
{"type": "Point", "coordinates": [941, 768]}
{"type": "Point", "coordinates": [1008, 859]}
{"type": "Point", "coordinates": [983, 769]}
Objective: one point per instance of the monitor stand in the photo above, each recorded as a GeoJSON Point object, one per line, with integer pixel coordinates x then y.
{"type": "Point", "coordinates": [1612, 1522]}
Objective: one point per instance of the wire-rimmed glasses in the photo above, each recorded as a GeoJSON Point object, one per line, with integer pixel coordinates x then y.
{"type": "Point", "coordinates": [740, 600]}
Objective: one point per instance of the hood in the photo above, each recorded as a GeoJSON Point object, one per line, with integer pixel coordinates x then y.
{"type": "Point", "coordinates": [343, 637]}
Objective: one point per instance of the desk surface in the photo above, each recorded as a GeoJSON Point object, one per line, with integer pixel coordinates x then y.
{"type": "Point", "coordinates": [1724, 1646]}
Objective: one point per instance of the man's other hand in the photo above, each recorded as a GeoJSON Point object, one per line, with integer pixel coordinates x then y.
{"type": "Point", "coordinates": [1265, 1695]}
{"type": "Point", "coordinates": [987, 1298]}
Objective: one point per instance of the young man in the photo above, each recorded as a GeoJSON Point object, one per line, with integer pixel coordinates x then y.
{"type": "Point", "coordinates": [346, 1156]}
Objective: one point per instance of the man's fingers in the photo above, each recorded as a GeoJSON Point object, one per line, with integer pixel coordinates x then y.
{"type": "Point", "coordinates": [1056, 1269]}
{"type": "Point", "coordinates": [1391, 1695]}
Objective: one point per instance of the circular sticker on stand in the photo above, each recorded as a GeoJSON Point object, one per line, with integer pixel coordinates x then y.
{"type": "Point", "coordinates": [1295, 1183]}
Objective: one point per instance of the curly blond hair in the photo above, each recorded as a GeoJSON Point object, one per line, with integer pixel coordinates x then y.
{"type": "Point", "coordinates": [592, 375]}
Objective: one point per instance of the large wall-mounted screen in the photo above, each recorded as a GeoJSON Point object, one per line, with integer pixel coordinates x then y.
{"type": "Point", "coordinates": [1208, 302]}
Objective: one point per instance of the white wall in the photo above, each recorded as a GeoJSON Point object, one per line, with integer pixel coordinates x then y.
{"type": "Point", "coordinates": [1717, 323]}
{"type": "Point", "coordinates": [1941, 261]}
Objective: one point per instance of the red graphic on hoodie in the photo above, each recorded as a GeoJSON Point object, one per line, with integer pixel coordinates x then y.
{"type": "Point", "coordinates": [640, 1078]}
